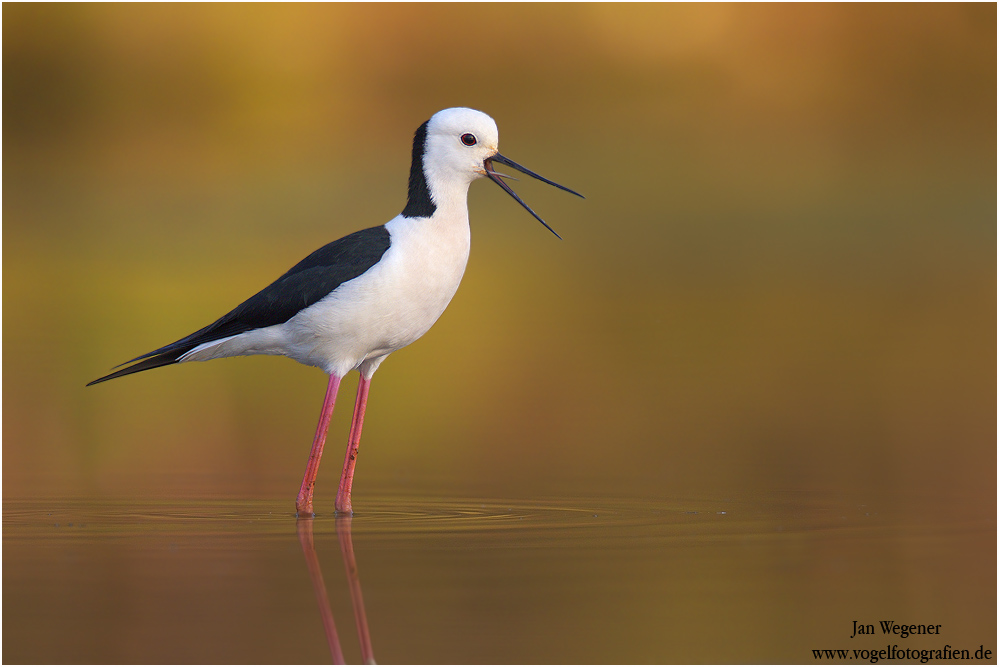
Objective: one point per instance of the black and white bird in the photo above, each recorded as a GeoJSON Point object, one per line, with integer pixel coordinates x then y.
{"type": "Point", "coordinates": [356, 300]}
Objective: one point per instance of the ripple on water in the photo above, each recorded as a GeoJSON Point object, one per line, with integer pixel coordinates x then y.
{"type": "Point", "coordinates": [626, 521]}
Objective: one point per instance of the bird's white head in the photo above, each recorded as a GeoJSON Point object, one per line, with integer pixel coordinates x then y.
{"type": "Point", "coordinates": [458, 143]}
{"type": "Point", "coordinates": [452, 149]}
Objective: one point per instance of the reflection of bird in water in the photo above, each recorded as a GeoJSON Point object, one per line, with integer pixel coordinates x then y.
{"type": "Point", "coordinates": [356, 300]}
{"type": "Point", "coordinates": [319, 587]}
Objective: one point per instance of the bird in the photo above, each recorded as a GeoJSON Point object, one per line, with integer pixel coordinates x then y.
{"type": "Point", "coordinates": [354, 301]}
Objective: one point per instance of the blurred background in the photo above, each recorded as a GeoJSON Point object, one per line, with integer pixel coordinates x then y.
{"type": "Point", "coordinates": [782, 281]}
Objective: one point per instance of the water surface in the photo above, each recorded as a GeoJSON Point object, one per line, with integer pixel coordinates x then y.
{"type": "Point", "coordinates": [422, 580]}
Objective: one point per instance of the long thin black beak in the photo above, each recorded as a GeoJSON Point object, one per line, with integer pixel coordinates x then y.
{"type": "Point", "coordinates": [498, 179]}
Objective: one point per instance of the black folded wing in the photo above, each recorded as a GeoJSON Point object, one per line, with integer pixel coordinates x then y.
{"type": "Point", "coordinates": [306, 283]}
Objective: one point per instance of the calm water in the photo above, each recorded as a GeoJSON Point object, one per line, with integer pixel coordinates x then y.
{"type": "Point", "coordinates": [481, 581]}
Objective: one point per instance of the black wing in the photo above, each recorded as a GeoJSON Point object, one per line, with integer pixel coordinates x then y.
{"type": "Point", "coordinates": [304, 284]}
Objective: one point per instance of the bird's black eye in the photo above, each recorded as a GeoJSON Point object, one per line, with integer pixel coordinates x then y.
{"type": "Point", "coordinates": [469, 139]}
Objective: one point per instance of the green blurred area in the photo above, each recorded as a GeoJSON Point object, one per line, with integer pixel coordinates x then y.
{"type": "Point", "coordinates": [783, 278]}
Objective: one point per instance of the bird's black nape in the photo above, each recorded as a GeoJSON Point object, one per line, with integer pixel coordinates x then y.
{"type": "Point", "coordinates": [419, 204]}
{"type": "Point", "coordinates": [498, 179]}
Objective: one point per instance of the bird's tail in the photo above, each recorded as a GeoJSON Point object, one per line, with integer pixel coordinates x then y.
{"type": "Point", "coordinates": [164, 359]}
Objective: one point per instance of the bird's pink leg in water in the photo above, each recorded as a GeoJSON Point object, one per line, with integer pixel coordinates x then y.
{"type": "Point", "coordinates": [347, 476]}
{"type": "Point", "coordinates": [303, 505]}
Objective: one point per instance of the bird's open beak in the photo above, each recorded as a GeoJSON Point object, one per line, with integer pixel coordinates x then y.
{"type": "Point", "coordinates": [498, 179]}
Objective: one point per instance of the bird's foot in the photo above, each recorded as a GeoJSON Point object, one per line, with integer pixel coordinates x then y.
{"type": "Point", "coordinates": [343, 506]}
{"type": "Point", "coordinates": [303, 508]}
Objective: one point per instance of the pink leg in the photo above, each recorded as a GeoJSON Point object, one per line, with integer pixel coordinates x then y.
{"type": "Point", "coordinates": [347, 476]}
{"type": "Point", "coordinates": [303, 505]}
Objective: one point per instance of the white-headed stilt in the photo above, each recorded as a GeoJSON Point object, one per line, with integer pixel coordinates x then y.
{"type": "Point", "coordinates": [356, 300]}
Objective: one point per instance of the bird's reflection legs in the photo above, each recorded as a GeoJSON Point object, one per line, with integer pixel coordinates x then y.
{"type": "Point", "coordinates": [356, 599]}
{"type": "Point", "coordinates": [319, 587]}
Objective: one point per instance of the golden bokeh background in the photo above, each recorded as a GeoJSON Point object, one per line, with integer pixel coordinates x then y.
{"type": "Point", "coordinates": [759, 368]}
{"type": "Point", "coordinates": [782, 280]}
